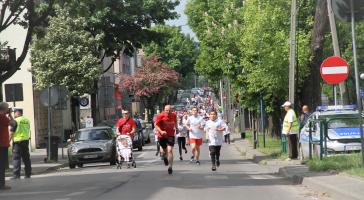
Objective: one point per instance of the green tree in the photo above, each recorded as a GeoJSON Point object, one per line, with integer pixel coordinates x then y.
{"type": "Point", "coordinates": [124, 23]}
{"type": "Point", "coordinates": [67, 55]}
{"type": "Point", "coordinates": [176, 49]}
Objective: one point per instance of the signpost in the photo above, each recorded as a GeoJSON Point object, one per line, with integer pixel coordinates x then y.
{"type": "Point", "coordinates": [334, 70]}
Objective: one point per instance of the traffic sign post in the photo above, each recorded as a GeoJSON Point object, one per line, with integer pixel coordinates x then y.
{"type": "Point", "coordinates": [334, 70]}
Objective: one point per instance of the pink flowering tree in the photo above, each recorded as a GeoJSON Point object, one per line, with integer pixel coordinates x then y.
{"type": "Point", "coordinates": [152, 82]}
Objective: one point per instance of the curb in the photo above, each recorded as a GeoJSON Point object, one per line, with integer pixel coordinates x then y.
{"type": "Point", "coordinates": [44, 171]}
{"type": "Point", "coordinates": [295, 179]}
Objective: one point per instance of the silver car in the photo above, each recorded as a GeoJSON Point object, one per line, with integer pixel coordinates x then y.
{"type": "Point", "coordinates": [90, 145]}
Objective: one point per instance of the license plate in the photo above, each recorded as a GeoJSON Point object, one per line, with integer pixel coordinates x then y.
{"type": "Point", "coordinates": [352, 148]}
{"type": "Point", "coordinates": [90, 156]}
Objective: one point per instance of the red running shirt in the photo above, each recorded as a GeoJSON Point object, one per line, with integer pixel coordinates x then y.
{"type": "Point", "coordinates": [166, 123]}
{"type": "Point", "coordinates": [4, 131]}
{"type": "Point", "coordinates": [127, 127]}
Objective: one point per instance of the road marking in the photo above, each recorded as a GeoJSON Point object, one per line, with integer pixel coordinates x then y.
{"type": "Point", "coordinates": [216, 177]}
{"type": "Point", "coordinates": [63, 199]}
{"type": "Point", "coordinates": [263, 176]}
{"type": "Point", "coordinates": [75, 194]}
{"type": "Point", "coordinates": [28, 193]}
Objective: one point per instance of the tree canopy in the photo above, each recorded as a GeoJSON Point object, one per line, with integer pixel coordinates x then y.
{"type": "Point", "coordinates": [67, 55]}
{"type": "Point", "coordinates": [176, 49]}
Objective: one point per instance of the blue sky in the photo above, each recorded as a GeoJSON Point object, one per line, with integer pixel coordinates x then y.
{"type": "Point", "coordinates": [182, 20]}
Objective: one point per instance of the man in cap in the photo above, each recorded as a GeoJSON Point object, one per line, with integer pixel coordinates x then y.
{"type": "Point", "coordinates": [20, 136]}
{"type": "Point", "coordinates": [290, 129]}
{"type": "Point", "coordinates": [4, 141]}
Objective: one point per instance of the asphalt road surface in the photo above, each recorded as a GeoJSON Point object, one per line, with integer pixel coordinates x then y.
{"type": "Point", "coordinates": [235, 179]}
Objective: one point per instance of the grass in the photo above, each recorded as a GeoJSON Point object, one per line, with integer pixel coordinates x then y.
{"type": "Point", "coordinates": [272, 145]}
{"type": "Point", "coordinates": [351, 164]}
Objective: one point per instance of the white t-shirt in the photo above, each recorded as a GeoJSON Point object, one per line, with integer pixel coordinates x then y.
{"type": "Point", "coordinates": [194, 123]}
{"type": "Point", "coordinates": [227, 130]}
{"type": "Point", "coordinates": [182, 130]}
{"type": "Point", "coordinates": [216, 138]}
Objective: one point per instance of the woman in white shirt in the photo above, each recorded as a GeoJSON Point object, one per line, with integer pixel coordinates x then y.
{"type": "Point", "coordinates": [181, 137]}
{"type": "Point", "coordinates": [215, 135]}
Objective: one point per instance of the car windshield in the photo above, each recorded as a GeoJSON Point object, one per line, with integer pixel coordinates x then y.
{"type": "Point", "coordinates": [344, 123]}
{"type": "Point", "coordinates": [86, 135]}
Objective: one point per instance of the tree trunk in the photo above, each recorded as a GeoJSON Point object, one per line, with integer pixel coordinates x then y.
{"type": "Point", "coordinates": [311, 94]}
{"type": "Point", "coordinates": [94, 108]}
{"type": "Point", "coordinates": [276, 119]}
{"type": "Point", "coordinates": [75, 114]}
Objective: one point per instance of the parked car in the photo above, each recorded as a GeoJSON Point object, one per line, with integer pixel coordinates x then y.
{"type": "Point", "coordinates": [343, 134]}
{"type": "Point", "coordinates": [91, 145]}
{"type": "Point", "coordinates": [146, 132]}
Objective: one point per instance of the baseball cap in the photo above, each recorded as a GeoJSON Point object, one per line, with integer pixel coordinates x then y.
{"type": "Point", "coordinates": [287, 103]}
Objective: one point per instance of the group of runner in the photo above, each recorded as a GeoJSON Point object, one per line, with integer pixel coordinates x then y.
{"type": "Point", "coordinates": [168, 126]}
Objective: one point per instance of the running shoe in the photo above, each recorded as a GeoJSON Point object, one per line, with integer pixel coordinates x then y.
{"type": "Point", "coordinates": [180, 158]}
{"type": "Point", "coordinates": [213, 168]}
{"type": "Point", "coordinates": [192, 158]}
{"type": "Point", "coordinates": [170, 170]}
{"type": "Point", "coordinates": [218, 163]}
{"type": "Point", "coordinates": [198, 162]}
{"type": "Point", "coordinates": [185, 151]}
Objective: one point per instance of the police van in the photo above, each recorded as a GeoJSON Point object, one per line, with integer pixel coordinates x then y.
{"type": "Point", "coordinates": [334, 129]}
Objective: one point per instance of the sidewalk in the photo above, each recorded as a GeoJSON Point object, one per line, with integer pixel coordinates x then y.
{"type": "Point", "coordinates": [337, 186]}
{"type": "Point", "coordinates": [38, 164]}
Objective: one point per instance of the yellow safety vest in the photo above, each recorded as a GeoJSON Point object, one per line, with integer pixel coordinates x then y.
{"type": "Point", "coordinates": [295, 126]}
{"type": "Point", "coordinates": [22, 129]}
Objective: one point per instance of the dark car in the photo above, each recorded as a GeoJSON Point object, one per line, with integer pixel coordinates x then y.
{"type": "Point", "coordinates": [138, 140]}
{"type": "Point", "coordinates": [91, 145]}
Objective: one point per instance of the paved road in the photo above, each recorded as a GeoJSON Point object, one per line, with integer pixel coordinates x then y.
{"type": "Point", "coordinates": [235, 179]}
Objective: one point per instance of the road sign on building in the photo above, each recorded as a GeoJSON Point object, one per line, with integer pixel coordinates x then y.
{"type": "Point", "coordinates": [334, 70]}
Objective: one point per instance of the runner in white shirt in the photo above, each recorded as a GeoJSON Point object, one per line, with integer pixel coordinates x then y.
{"type": "Point", "coordinates": [214, 133]}
{"type": "Point", "coordinates": [181, 137]}
{"type": "Point", "coordinates": [195, 125]}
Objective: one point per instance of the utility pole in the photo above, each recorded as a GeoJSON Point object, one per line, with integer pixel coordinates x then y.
{"type": "Point", "coordinates": [335, 43]}
{"type": "Point", "coordinates": [292, 53]}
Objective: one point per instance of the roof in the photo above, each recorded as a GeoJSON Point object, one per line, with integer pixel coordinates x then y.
{"type": "Point", "coordinates": [95, 128]}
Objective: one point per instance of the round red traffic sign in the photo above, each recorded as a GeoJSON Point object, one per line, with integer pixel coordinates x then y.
{"type": "Point", "coordinates": [334, 70]}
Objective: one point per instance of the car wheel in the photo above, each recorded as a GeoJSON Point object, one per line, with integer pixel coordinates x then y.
{"type": "Point", "coordinates": [71, 165]}
{"type": "Point", "coordinates": [79, 165]}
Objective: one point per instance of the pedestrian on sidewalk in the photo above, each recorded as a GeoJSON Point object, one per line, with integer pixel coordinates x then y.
{"type": "Point", "coordinates": [195, 125]}
{"type": "Point", "coordinates": [20, 136]}
{"type": "Point", "coordinates": [166, 125]}
{"type": "Point", "coordinates": [290, 129]}
{"type": "Point", "coordinates": [304, 116]}
{"type": "Point", "coordinates": [214, 134]}
{"type": "Point", "coordinates": [227, 133]}
{"type": "Point", "coordinates": [5, 117]}
{"type": "Point", "coordinates": [181, 137]}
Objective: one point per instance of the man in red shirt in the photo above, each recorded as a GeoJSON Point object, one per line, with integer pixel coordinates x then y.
{"type": "Point", "coordinates": [4, 141]}
{"type": "Point", "coordinates": [166, 125]}
{"type": "Point", "coordinates": [126, 125]}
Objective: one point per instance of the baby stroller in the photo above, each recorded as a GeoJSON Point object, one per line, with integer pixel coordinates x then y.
{"type": "Point", "coordinates": [124, 149]}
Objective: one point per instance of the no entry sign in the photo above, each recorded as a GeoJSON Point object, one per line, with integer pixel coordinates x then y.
{"type": "Point", "coordinates": [334, 70]}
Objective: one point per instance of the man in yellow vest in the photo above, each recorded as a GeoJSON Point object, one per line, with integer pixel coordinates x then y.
{"type": "Point", "coordinates": [20, 136]}
{"type": "Point", "coordinates": [290, 129]}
